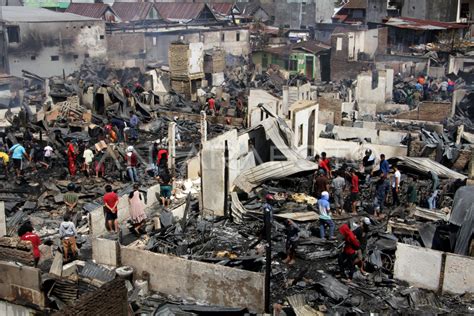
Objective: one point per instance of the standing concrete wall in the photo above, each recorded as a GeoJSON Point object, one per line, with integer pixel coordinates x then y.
{"type": "Point", "coordinates": [213, 165]}
{"type": "Point", "coordinates": [458, 274]}
{"type": "Point", "coordinates": [354, 150]}
{"type": "Point", "coordinates": [214, 284]}
{"type": "Point", "coordinates": [21, 283]}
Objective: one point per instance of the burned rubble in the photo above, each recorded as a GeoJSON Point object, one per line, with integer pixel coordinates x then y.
{"type": "Point", "coordinates": [329, 174]}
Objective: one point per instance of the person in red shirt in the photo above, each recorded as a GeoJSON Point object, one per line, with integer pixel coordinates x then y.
{"type": "Point", "coordinates": [349, 253]}
{"type": "Point", "coordinates": [354, 190]}
{"type": "Point", "coordinates": [26, 234]}
{"type": "Point", "coordinates": [71, 158]}
{"type": "Point", "coordinates": [212, 106]}
{"type": "Point", "coordinates": [325, 164]}
{"type": "Point", "coordinates": [111, 200]}
{"type": "Point", "coordinates": [162, 157]}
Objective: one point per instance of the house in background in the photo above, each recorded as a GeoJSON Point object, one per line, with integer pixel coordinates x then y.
{"type": "Point", "coordinates": [66, 41]}
{"type": "Point", "coordinates": [185, 12]}
{"type": "Point", "coordinates": [94, 10]}
{"type": "Point", "coordinates": [309, 58]}
{"type": "Point", "coordinates": [135, 11]}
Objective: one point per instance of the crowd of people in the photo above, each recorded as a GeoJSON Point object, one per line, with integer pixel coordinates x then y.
{"type": "Point", "coordinates": [338, 192]}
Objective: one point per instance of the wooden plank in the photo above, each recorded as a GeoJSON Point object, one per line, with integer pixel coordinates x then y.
{"type": "Point", "coordinates": [300, 216]}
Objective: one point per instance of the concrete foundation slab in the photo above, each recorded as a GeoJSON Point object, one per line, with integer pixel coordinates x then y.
{"type": "Point", "coordinates": [421, 267]}
{"type": "Point", "coordinates": [458, 274]}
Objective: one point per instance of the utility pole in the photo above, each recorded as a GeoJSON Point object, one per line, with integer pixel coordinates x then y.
{"type": "Point", "coordinates": [268, 256]}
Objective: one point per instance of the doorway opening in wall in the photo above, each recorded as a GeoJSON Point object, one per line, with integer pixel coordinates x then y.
{"type": "Point", "coordinates": [300, 135]}
{"type": "Point", "coordinates": [99, 103]}
{"type": "Point", "coordinates": [226, 178]}
{"type": "Point", "coordinates": [309, 67]}
{"type": "Point", "coordinates": [311, 131]}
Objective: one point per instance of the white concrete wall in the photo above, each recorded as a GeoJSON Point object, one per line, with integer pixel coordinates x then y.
{"type": "Point", "coordinates": [301, 117]}
{"type": "Point", "coordinates": [257, 96]}
{"type": "Point", "coordinates": [213, 170]}
{"type": "Point", "coordinates": [421, 267]}
{"type": "Point", "coordinates": [9, 309]}
{"type": "Point", "coordinates": [378, 137]}
{"type": "Point", "coordinates": [196, 58]}
{"type": "Point", "coordinates": [354, 150]}
{"type": "Point", "coordinates": [458, 274]}
{"type": "Point", "coordinates": [106, 251]}
{"type": "Point", "coordinates": [213, 284]}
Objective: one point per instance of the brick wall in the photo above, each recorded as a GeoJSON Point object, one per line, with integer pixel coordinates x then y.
{"type": "Point", "coordinates": [13, 249]}
{"type": "Point", "coordinates": [428, 111]}
{"type": "Point", "coordinates": [110, 299]}
{"type": "Point", "coordinates": [341, 67]}
{"type": "Point", "coordinates": [331, 105]}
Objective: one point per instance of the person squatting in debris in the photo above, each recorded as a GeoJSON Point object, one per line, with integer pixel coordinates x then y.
{"type": "Point", "coordinates": [292, 236]}
{"type": "Point", "coordinates": [361, 233]}
{"type": "Point", "coordinates": [131, 159]}
{"type": "Point", "coordinates": [48, 155]}
{"type": "Point", "coordinates": [17, 153]}
{"type": "Point", "coordinates": [26, 234]}
{"type": "Point", "coordinates": [396, 178]}
{"type": "Point", "coordinates": [338, 186]}
{"type": "Point", "coordinates": [111, 201]}
{"type": "Point", "coordinates": [71, 158]}
{"type": "Point", "coordinates": [348, 255]}
{"type": "Point", "coordinates": [68, 234]}
{"type": "Point", "coordinates": [137, 210]}
{"type": "Point", "coordinates": [165, 180]}
{"type": "Point", "coordinates": [354, 191]}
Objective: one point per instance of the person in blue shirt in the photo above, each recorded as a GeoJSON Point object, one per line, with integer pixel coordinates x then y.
{"type": "Point", "coordinates": [17, 153]}
{"type": "Point", "coordinates": [134, 121]}
{"type": "Point", "coordinates": [325, 215]}
{"type": "Point", "coordinates": [384, 165]}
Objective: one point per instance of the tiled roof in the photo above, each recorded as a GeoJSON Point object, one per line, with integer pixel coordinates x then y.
{"type": "Point", "coordinates": [93, 10]}
{"type": "Point", "coordinates": [132, 11]}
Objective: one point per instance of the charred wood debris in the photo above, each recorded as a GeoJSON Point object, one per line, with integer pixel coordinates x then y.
{"type": "Point", "coordinates": [313, 281]}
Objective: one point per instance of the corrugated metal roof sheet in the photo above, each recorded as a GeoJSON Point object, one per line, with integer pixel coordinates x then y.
{"type": "Point", "coordinates": [421, 25]}
{"type": "Point", "coordinates": [27, 14]}
{"type": "Point", "coordinates": [180, 11]}
{"type": "Point", "coordinates": [222, 8]}
{"type": "Point", "coordinates": [132, 11]}
{"type": "Point", "coordinates": [93, 10]}
{"type": "Point", "coordinates": [313, 47]}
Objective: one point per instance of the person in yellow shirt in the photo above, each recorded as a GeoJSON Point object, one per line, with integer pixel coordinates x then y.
{"type": "Point", "coordinates": [4, 159]}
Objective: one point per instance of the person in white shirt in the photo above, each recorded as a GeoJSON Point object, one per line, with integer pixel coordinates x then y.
{"type": "Point", "coordinates": [396, 186]}
{"type": "Point", "coordinates": [88, 158]}
{"type": "Point", "coordinates": [48, 153]}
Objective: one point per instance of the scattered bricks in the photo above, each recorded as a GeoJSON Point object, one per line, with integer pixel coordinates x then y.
{"type": "Point", "coordinates": [13, 249]}
{"type": "Point", "coordinates": [110, 299]}
{"type": "Point", "coordinates": [463, 160]}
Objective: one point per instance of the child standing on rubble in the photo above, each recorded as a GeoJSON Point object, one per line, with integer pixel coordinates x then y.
{"type": "Point", "coordinates": [17, 153]}
{"type": "Point", "coordinates": [68, 233]}
{"type": "Point", "coordinates": [292, 236]}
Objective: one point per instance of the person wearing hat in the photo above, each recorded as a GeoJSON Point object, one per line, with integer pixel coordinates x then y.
{"type": "Point", "coordinates": [368, 163]}
{"type": "Point", "coordinates": [132, 162]}
{"type": "Point", "coordinates": [361, 233]}
{"type": "Point", "coordinates": [325, 216]}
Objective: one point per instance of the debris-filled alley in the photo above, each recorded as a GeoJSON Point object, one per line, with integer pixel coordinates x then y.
{"type": "Point", "coordinates": [236, 159]}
